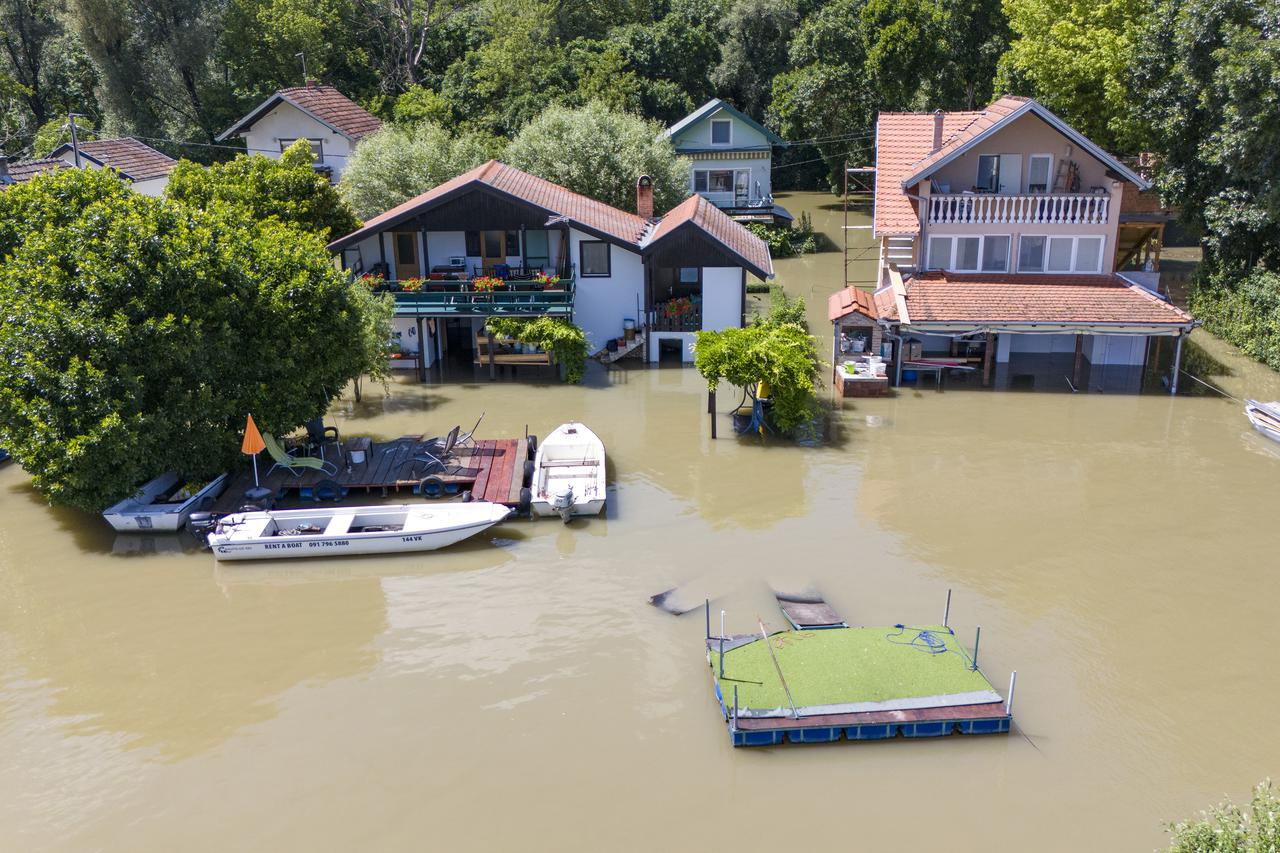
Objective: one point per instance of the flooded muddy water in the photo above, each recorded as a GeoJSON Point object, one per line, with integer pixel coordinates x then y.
{"type": "Point", "coordinates": [517, 692]}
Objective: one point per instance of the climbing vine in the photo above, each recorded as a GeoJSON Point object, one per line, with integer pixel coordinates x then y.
{"type": "Point", "coordinates": [565, 341]}
{"type": "Point", "coordinates": [782, 355]}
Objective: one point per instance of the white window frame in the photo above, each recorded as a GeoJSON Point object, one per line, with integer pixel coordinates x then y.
{"type": "Point", "coordinates": [1075, 253]}
{"type": "Point", "coordinates": [733, 181]}
{"type": "Point", "coordinates": [712, 131]}
{"type": "Point", "coordinates": [1048, 175]}
{"type": "Point", "coordinates": [955, 239]}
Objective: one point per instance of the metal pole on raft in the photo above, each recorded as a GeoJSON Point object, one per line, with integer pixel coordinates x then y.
{"type": "Point", "coordinates": [1008, 703]}
{"type": "Point", "coordinates": [765, 636]}
{"type": "Point", "coordinates": [735, 707]}
{"type": "Point", "coordinates": [722, 657]}
{"type": "Point", "coordinates": [721, 623]}
{"type": "Point", "coordinates": [977, 635]}
{"type": "Point", "coordinates": [708, 607]}
{"type": "Point", "coordinates": [1177, 365]}
{"type": "Point", "coordinates": [946, 612]}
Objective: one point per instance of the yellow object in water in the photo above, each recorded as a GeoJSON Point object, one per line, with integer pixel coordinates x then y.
{"type": "Point", "coordinates": [763, 390]}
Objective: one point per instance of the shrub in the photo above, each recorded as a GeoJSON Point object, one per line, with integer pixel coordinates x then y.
{"type": "Point", "coordinates": [555, 335]}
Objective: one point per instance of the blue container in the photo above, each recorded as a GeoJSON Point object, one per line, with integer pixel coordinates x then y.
{"type": "Point", "coordinates": [909, 376]}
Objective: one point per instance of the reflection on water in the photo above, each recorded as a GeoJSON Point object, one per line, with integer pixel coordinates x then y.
{"type": "Point", "coordinates": [1117, 551]}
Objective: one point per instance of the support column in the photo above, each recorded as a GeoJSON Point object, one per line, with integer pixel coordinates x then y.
{"type": "Point", "coordinates": [1177, 365]}
{"type": "Point", "coordinates": [488, 336]}
{"type": "Point", "coordinates": [1075, 372]}
{"type": "Point", "coordinates": [422, 354]}
{"type": "Point", "coordinates": [711, 409]}
{"type": "Point", "coordinates": [988, 358]}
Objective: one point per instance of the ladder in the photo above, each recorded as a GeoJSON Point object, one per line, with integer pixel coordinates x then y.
{"type": "Point", "coordinates": [859, 199]}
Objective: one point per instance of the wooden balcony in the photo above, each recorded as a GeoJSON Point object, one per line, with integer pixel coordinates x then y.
{"type": "Point", "coordinates": [1037, 209]}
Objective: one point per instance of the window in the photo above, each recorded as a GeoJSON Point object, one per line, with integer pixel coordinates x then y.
{"type": "Point", "coordinates": [1039, 167]}
{"type": "Point", "coordinates": [1088, 254]}
{"type": "Point", "coordinates": [595, 258]}
{"type": "Point", "coordinates": [473, 243]}
{"type": "Point", "coordinates": [1031, 254]}
{"type": "Point", "coordinates": [995, 254]}
{"type": "Point", "coordinates": [1059, 254]}
{"type": "Point", "coordinates": [513, 243]}
{"type": "Point", "coordinates": [967, 254]}
{"type": "Point", "coordinates": [989, 172]}
{"type": "Point", "coordinates": [721, 131]}
{"type": "Point", "coordinates": [720, 181]}
{"type": "Point", "coordinates": [939, 253]}
{"type": "Point", "coordinates": [700, 181]}
{"type": "Point", "coordinates": [317, 146]}
{"type": "Point", "coordinates": [690, 275]}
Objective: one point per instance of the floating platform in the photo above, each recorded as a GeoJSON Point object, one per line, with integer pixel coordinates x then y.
{"type": "Point", "coordinates": [852, 683]}
{"type": "Point", "coordinates": [808, 612]}
{"type": "Point", "coordinates": [491, 469]}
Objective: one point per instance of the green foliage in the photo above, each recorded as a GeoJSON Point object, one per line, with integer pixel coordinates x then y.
{"type": "Point", "coordinates": [565, 341]}
{"type": "Point", "coordinates": [287, 189]}
{"type": "Point", "coordinates": [1075, 56]}
{"type": "Point", "coordinates": [599, 152]}
{"type": "Point", "coordinates": [1227, 828]}
{"type": "Point", "coordinates": [783, 355]}
{"type": "Point", "coordinates": [1242, 309]}
{"type": "Point", "coordinates": [55, 132]}
{"type": "Point", "coordinates": [397, 163]}
{"type": "Point", "coordinates": [377, 312]}
{"type": "Point", "coordinates": [421, 105]}
{"type": "Point", "coordinates": [136, 333]}
{"type": "Point", "coordinates": [785, 309]}
{"type": "Point", "coordinates": [754, 50]}
{"type": "Point", "coordinates": [787, 241]}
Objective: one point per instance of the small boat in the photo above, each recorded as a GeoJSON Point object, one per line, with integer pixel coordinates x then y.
{"type": "Point", "coordinates": [346, 531]}
{"type": "Point", "coordinates": [1265, 417]}
{"type": "Point", "coordinates": [568, 477]}
{"type": "Point", "coordinates": [164, 504]}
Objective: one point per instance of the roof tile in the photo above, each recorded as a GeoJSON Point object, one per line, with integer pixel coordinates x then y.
{"type": "Point", "coordinates": [134, 159]}
{"type": "Point", "coordinates": [851, 300]}
{"type": "Point", "coordinates": [334, 108]}
{"type": "Point", "coordinates": [719, 226]}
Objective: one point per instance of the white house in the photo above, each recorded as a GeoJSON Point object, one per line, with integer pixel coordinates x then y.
{"type": "Point", "coordinates": [557, 253]}
{"type": "Point", "coordinates": [1002, 241]}
{"type": "Point", "coordinates": [732, 158]}
{"type": "Point", "coordinates": [322, 115]}
{"type": "Point", "coordinates": [145, 169]}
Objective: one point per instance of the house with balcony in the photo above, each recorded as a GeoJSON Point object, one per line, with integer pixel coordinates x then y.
{"type": "Point", "coordinates": [1002, 238]}
{"type": "Point", "coordinates": [496, 241]}
{"type": "Point", "coordinates": [330, 122]}
{"type": "Point", "coordinates": [732, 160]}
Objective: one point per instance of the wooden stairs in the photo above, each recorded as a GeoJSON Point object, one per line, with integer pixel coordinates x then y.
{"type": "Point", "coordinates": [622, 352]}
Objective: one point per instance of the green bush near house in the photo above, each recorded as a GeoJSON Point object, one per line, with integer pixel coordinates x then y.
{"type": "Point", "coordinates": [565, 341]}
{"type": "Point", "coordinates": [787, 241]}
{"type": "Point", "coordinates": [1243, 309]}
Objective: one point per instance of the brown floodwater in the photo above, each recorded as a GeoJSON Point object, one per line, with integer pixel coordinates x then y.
{"type": "Point", "coordinates": [517, 692]}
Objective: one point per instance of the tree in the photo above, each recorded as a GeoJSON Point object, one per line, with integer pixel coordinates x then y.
{"type": "Point", "coordinates": [756, 35]}
{"type": "Point", "coordinates": [976, 34]}
{"type": "Point", "coordinates": [57, 131]}
{"type": "Point", "coordinates": [600, 152]}
{"type": "Point", "coordinates": [397, 163]}
{"type": "Point", "coordinates": [1204, 80]}
{"type": "Point", "coordinates": [782, 355]}
{"type": "Point", "coordinates": [1075, 57]}
{"type": "Point", "coordinates": [287, 189]}
{"type": "Point", "coordinates": [1227, 828]}
{"type": "Point", "coordinates": [136, 333]}
{"type": "Point", "coordinates": [555, 335]}
{"type": "Point", "coordinates": [403, 29]}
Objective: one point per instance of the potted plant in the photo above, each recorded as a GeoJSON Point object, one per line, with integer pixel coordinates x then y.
{"type": "Point", "coordinates": [487, 284]}
{"type": "Point", "coordinates": [546, 280]}
{"type": "Point", "coordinates": [411, 285]}
{"type": "Point", "coordinates": [374, 282]}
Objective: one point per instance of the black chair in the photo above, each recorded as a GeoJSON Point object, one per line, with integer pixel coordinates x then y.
{"type": "Point", "coordinates": [318, 435]}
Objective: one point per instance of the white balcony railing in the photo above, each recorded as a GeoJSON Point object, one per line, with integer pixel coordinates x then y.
{"type": "Point", "coordinates": [1041, 209]}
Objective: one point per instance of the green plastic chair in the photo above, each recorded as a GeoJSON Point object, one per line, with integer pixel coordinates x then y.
{"type": "Point", "coordinates": [295, 465]}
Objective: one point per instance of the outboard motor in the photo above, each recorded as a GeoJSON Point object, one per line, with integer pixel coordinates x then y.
{"type": "Point", "coordinates": [562, 502]}
{"type": "Point", "coordinates": [200, 525]}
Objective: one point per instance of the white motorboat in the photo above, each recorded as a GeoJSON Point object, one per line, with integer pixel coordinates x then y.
{"type": "Point", "coordinates": [569, 475]}
{"type": "Point", "coordinates": [1265, 417]}
{"type": "Point", "coordinates": [345, 531]}
{"type": "Point", "coordinates": [164, 504]}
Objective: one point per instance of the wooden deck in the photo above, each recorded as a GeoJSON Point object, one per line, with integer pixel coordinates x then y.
{"type": "Point", "coordinates": [492, 469]}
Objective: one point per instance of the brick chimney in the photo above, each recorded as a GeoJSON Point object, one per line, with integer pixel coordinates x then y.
{"type": "Point", "coordinates": [644, 197]}
{"type": "Point", "coordinates": [937, 129]}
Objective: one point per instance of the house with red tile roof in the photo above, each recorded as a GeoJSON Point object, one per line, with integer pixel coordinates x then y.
{"type": "Point", "coordinates": [1003, 245]}
{"type": "Point", "coordinates": [20, 171]}
{"type": "Point", "coordinates": [548, 251]}
{"type": "Point", "coordinates": [330, 121]}
{"type": "Point", "coordinates": [145, 169]}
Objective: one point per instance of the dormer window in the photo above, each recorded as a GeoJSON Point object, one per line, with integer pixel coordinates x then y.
{"type": "Point", "coordinates": [721, 131]}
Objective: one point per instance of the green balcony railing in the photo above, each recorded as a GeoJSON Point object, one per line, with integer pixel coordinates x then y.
{"type": "Point", "coordinates": [460, 299]}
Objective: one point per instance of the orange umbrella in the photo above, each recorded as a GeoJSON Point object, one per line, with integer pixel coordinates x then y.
{"type": "Point", "coordinates": [252, 445]}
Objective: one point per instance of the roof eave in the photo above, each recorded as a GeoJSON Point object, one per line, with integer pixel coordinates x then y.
{"type": "Point", "coordinates": [266, 106]}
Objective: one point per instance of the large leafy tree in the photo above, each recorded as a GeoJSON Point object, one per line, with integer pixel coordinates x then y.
{"type": "Point", "coordinates": [287, 189]}
{"type": "Point", "coordinates": [136, 333]}
{"type": "Point", "coordinates": [600, 152]}
{"type": "Point", "coordinates": [756, 35]}
{"type": "Point", "coordinates": [397, 163]}
{"type": "Point", "coordinates": [976, 34]}
{"type": "Point", "coordinates": [1075, 57]}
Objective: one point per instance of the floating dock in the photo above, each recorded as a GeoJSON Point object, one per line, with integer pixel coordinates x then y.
{"type": "Point", "coordinates": [491, 469]}
{"type": "Point", "coordinates": [870, 683]}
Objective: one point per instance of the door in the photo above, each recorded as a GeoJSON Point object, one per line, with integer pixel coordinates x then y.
{"type": "Point", "coordinates": [742, 187]}
{"type": "Point", "coordinates": [1010, 174]}
{"type": "Point", "coordinates": [406, 252]}
{"type": "Point", "coordinates": [493, 249]}
{"type": "Point", "coordinates": [537, 253]}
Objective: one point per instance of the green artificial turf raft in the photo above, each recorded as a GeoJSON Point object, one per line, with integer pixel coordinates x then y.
{"type": "Point", "coordinates": [843, 665]}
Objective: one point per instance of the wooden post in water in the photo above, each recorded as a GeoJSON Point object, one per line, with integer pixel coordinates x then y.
{"type": "Point", "coordinates": [977, 635]}
{"type": "Point", "coordinates": [1177, 366]}
{"type": "Point", "coordinates": [711, 411]}
{"type": "Point", "coordinates": [946, 611]}
{"type": "Point", "coordinates": [1013, 682]}
{"type": "Point", "coordinates": [422, 354]}
{"type": "Point", "coordinates": [489, 339]}
{"type": "Point", "coordinates": [1075, 371]}
{"type": "Point", "coordinates": [988, 356]}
